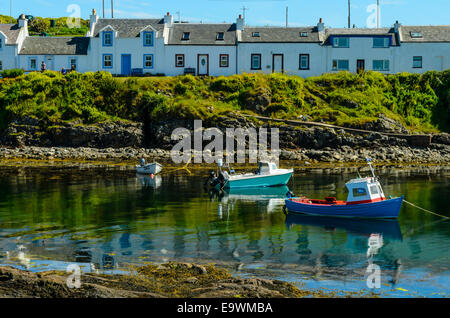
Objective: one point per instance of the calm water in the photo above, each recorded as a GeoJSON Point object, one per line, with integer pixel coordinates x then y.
{"type": "Point", "coordinates": [105, 219]}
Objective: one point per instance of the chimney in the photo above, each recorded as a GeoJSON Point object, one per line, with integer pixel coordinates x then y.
{"type": "Point", "coordinates": [168, 19]}
{"type": "Point", "coordinates": [94, 17]}
{"type": "Point", "coordinates": [320, 26]}
{"type": "Point", "coordinates": [23, 22]}
{"type": "Point", "coordinates": [240, 23]}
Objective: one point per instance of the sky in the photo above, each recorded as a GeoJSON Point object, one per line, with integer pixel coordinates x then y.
{"type": "Point", "coordinates": [259, 13]}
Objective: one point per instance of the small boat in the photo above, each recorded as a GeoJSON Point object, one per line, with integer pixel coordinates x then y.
{"type": "Point", "coordinates": [150, 168]}
{"type": "Point", "coordinates": [365, 199]}
{"type": "Point", "coordinates": [267, 175]}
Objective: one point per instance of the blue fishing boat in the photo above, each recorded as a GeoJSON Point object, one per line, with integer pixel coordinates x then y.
{"type": "Point", "coordinates": [267, 175]}
{"type": "Point", "coordinates": [365, 199]}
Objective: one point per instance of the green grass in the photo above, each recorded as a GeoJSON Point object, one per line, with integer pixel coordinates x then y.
{"type": "Point", "coordinates": [420, 102]}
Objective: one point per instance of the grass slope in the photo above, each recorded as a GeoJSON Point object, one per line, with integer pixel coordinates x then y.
{"type": "Point", "coordinates": [420, 102]}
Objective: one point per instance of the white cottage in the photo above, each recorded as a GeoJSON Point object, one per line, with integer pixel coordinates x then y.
{"type": "Point", "coordinates": [160, 46]}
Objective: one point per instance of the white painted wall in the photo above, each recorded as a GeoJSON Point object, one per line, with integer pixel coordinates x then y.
{"type": "Point", "coordinates": [435, 56]}
{"type": "Point", "coordinates": [8, 56]}
{"type": "Point", "coordinates": [359, 48]}
{"type": "Point", "coordinates": [59, 61]}
{"type": "Point", "coordinates": [191, 56]}
{"type": "Point", "coordinates": [291, 53]}
{"type": "Point", "coordinates": [132, 46]}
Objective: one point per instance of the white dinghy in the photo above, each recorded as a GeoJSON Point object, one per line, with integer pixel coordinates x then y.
{"type": "Point", "coordinates": [149, 168]}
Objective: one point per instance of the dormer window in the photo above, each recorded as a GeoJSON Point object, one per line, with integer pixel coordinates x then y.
{"type": "Point", "coordinates": [303, 34]}
{"type": "Point", "coordinates": [107, 38]}
{"type": "Point", "coordinates": [186, 36]}
{"type": "Point", "coordinates": [148, 38]}
{"type": "Point", "coordinates": [220, 36]}
{"type": "Point", "coordinates": [255, 34]}
{"type": "Point", "coordinates": [341, 42]}
{"type": "Point", "coordinates": [416, 35]}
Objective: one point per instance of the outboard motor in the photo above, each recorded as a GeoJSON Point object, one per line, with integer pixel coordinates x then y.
{"type": "Point", "coordinates": [290, 194]}
{"type": "Point", "coordinates": [142, 162]}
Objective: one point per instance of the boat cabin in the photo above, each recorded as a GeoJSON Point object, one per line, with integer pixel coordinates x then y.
{"type": "Point", "coordinates": [266, 167]}
{"type": "Point", "coordinates": [364, 190]}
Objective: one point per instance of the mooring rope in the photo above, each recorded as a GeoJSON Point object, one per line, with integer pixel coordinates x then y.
{"type": "Point", "coordinates": [442, 216]}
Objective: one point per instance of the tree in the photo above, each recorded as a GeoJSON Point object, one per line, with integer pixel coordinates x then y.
{"type": "Point", "coordinates": [38, 25]}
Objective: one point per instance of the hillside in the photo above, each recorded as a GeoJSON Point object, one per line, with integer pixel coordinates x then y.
{"type": "Point", "coordinates": [419, 102]}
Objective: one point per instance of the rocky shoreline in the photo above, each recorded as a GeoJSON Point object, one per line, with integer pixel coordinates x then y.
{"type": "Point", "coordinates": [169, 280]}
{"type": "Point", "coordinates": [29, 138]}
{"type": "Point", "coordinates": [437, 154]}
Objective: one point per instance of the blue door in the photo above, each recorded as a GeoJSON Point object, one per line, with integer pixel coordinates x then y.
{"type": "Point", "coordinates": [126, 64]}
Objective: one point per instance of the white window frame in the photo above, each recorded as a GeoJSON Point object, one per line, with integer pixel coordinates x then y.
{"type": "Point", "coordinates": [415, 59]}
{"type": "Point", "coordinates": [385, 43]}
{"type": "Point", "coordinates": [104, 60]}
{"type": "Point", "coordinates": [338, 44]}
{"type": "Point", "coordinates": [339, 67]}
{"type": "Point", "coordinates": [384, 65]}
{"type": "Point", "coordinates": [145, 61]}
{"type": "Point", "coordinates": [220, 36]}
{"type": "Point", "coordinates": [35, 62]}
{"type": "Point", "coordinates": [70, 62]}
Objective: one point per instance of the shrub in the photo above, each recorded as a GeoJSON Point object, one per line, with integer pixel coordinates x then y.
{"type": "Point", "coordinates": [12, 73]}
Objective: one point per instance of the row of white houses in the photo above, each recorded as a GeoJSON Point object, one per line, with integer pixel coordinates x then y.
{"type": "Point", "coordinates": [160, 46]}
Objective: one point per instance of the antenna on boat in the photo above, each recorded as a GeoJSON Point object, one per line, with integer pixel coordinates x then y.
{"type": "Point", "coordinates": [370, 166]}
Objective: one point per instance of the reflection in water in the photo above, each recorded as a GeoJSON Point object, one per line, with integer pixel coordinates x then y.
{"type": "Point", "coordinates": [365, 227]}
{"type": "Point", "coordinates": [109, 217]}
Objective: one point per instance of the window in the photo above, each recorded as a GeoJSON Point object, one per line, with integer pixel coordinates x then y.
{"type": "Point", "coordinates": [255, 34]}
{"type": "Point", "coordinates": [148, 38]}
{"type": "Point", "coordinates": [304, 62]}
{"type": "Point", "coordinates": [380, 65]}
{"type": "Point", "coordinates": [32, 64]}
{"type": "Point", "coordinates": [107, 38]}
{"type": "Point", "coordinates": [341, 42]}
{"type": "Point", "coordinates": [148, 60]}
{"type": "Point", "coordinates": [416, 35]}
{"type": "Point", "coordinates": [107, 61]}
{"type": "Point", "coordinates": [380, 42]}
{"type": "Point", "coordinates": [1, 66]}
{"type": "Point", "coordinates": [224, 60]}
{"type": "Point", "coordinates": [73, 63]}
{"type": "Point", "coordinates": [1, 43]}
{"type": "Point", "coordinates": [179, 60]}
{"type": "Point", "coordinates": [220, 36]}
{"type": "Point", "coordinates": [340, 65]}
{"type": "Point", "coordinates": [256, 62]}
{"type": "Point", "coordinates": [417, 62]}
{"type": "Point", "coordinates": [303, 34]}
{"type": "Point", "coordinates": [374, 189]}
{"type": "Point", "coordinates": [359, 192]}
{"type": "Point", "coordinates": [186, 36]}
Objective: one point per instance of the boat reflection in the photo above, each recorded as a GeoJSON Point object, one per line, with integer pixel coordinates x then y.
{"type": "Point", "coordinates": [366, 227]}
{"type": "Point", "coordinates": [272, 197]}
{"type": "Point", "coordinates": [149, 181]}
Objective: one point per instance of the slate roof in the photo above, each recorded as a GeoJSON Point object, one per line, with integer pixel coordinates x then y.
{"type": "Point", "coordinates": [279, 35]}
{"type": "Point", "coordinates": [202, 34]}
{"type": "Point", "coordinates": [11, 31]}
{"type": "Point", "coordinates": [128, 28]}
{"type": "Point", "coordinates": [429, 33]}
{"type": "Point", "coordinates": [55, 45]}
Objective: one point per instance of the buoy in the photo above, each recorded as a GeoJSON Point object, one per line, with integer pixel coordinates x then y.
{"type": "Point", "coordinates": [152, 175]}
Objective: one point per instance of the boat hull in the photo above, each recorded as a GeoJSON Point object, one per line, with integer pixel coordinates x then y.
{"type": "Point", "coordinates": [386, 209]}
{"type": "Point", "coordinates": [151, 168]}
{"type": "Point", "coordinates": [259, 181]}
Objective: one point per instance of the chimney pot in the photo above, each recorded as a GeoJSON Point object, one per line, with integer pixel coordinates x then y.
{"type": "Point", "coordinates": [320, 20]}
{"type": "Point", "coordinates": [168, 13]}
{"type": "Point", "coordinates": [240, 16]}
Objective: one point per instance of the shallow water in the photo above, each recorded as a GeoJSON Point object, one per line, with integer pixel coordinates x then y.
{"type": "Point", "coordinates": [104, 219]}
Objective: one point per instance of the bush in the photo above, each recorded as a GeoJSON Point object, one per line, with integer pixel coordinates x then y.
{"type": "Point", "coordinates": [12, 73]}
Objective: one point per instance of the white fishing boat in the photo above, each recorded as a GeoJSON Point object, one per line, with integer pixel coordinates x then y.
{"type": "Point", "coordinates": [148, 168]}
{"type": "Point", "coordinates": [267, 175]}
